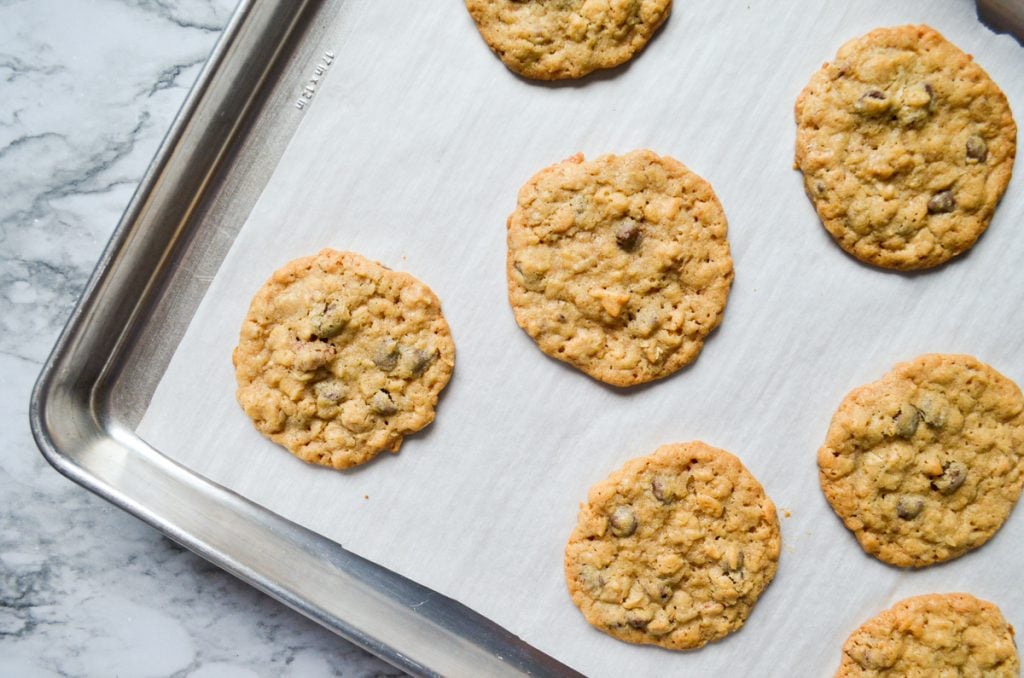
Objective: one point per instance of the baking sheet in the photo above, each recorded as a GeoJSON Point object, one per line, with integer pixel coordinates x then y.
{"type": "Point", "coordinates": [411, 152]}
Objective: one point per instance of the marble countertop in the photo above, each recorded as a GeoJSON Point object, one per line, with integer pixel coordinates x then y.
{"type": "Point", "coordinates": [87, 90]}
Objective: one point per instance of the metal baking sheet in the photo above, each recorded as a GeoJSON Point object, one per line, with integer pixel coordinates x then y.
{"type": "Point", "coordinates": [95, 386]}
{"type": "Point", "coordinates": [267, 74]}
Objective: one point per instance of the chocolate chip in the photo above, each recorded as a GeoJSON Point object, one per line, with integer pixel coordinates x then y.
{"type": "Point", "coordinates": [872, 102]}
{"type": "Point", "coordinates": [534, 281]}
{"type": "Point", "coordinates": [627, 235]}
{"type": "Point", "coordinates": [954, 473]}
{"type": "Point", "coordinates": [623, 522]}
{"type": "Point", "coordinates": [977, 149]}
{"type": "Point", "coordinates": [917, 104]}
{"type": "Point", "coordinates": [329, 322]}
{"type": "Point", "coordinates": [933, 411]}
{"type": "Point", "coordinates": [909, 507]}
{"type": "Point", "coordinates": [329, 391]}
{"type": "Point", "coordinates": [312, 355]}
{"type": "Point", "coordinates": [637, 623]}
{"type": "Point", "coordinates": [941, 203]}
{"type": "Point", "coordinates": [382, 404]}
{"type": "Point", "coordinates": [419, 360]}
{"type": "Point", "coordinates": [386, 354]}
{"type": "Point", "coordinates": [663, 489]}
{"type": "Point", "coordinates": [907, 421]}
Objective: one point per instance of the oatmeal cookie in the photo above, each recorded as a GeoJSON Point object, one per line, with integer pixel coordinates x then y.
{"type": "Point", "coordinates": [559, 39]}
{"type": "Point", "coordinates": [906, 146]}
{"type": "Point", "coordinates": [619, 266]}
{"type": "Point", "coordinates": [673, 549]}
{"type": "Point", "coordinates": [926, 463]}
{"type": "Point", "coordinates": [339, 358]}
{"type": "Point", "coordinates": [952, 634]}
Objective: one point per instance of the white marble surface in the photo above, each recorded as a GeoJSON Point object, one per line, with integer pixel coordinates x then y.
{"type": "Point", "coordinates": [87, 89]}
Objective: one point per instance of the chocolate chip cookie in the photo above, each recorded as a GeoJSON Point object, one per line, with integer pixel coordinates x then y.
{"type": "Point", "coordinates": [619, 266]}
{"type": "Point", "coordinates": [926, 463]}
{"type": "Point", "coordinates": [673, 549]}
{"type": "Point", "coordinates": [952, 634]}
{"type": "Point", "coordinates": [906, 146]}
{"type": "Point", "coordinates": [339, 358]}
{"type": "Point", "coordinates": [559, 39]}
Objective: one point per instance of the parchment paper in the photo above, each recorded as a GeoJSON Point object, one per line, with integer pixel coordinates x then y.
{"type": "Point", "coordinates": [412, 152]}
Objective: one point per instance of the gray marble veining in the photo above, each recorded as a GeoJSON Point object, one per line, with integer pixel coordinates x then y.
{"type": "Point", "coordinates": [87, 90]}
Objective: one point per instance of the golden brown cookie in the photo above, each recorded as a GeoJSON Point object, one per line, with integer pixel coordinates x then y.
{"type": "Point", "coordinates": [906, 146]}
{"type": "Point", "coordinates": [926, 463]}
{"type": "Point", "coordinates": [559, 39]}
{"type": "Point", "coordinates": [619, 266]}
{"type": "Point", "coordinates": [340, 357]}
{"type": "Point", "coordinates": [673, 549]}
{"type": "Point", "coordinates": [936, 635]}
